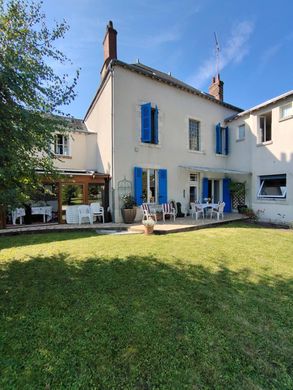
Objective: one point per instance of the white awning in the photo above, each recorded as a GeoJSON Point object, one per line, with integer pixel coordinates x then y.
{"type": "Point", "coordinates": [214, 170]}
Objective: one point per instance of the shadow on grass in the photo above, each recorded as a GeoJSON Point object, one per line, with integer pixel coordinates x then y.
{"type": "Point", "coordinates": [25, 239]}
{"type": "Point", "coordinates": [137, 323]}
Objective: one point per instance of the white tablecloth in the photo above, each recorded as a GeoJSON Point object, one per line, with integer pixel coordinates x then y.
{"type": "Point", "coordinates": [44, 211]}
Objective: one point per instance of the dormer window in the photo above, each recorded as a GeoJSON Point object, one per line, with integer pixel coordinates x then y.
{"type": "Point", "coordinates": [61, 146]}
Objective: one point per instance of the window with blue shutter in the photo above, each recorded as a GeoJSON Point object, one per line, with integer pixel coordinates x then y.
{"type": "Point", "coordinates": [146, 119]}
{"type": "Point", "coordinates": [227, 195]}
{"type": "Point", "coordinates": [205, 188]}
{"type": "Point", "coordinates": [138, 185]}
{"type": "Point", "coordinates": [218, 139]}
{"type": "Point", "coordinates": [226, 130]}
{"type": "Point", "coordinates": [222, 139]}
{"type": "Point", "coordinates": [163, 195]}
{"type": "Point", "coordinates": [149, 124]}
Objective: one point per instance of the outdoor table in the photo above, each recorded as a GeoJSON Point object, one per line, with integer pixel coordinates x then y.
{"type": "Point", "coordinates": [44, 211]}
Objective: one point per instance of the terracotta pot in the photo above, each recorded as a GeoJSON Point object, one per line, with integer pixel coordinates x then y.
{"type": "Point", "coordinates": [128, 215]}
{"type": "Point", "coordinates": [148, 230]}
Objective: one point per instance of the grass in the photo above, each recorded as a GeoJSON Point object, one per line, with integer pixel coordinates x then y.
{"type": "Point", "coordinates": [210, 309]}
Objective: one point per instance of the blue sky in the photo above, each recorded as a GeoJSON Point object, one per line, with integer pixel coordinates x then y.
{"type": "Point", "coordinates": [256, 39]}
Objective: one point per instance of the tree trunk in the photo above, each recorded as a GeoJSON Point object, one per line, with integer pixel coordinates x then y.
{"type": "Point", "coordinates": [2, 218]}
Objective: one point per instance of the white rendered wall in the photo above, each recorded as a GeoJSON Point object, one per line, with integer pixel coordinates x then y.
{"type": "Point", "coordinates": [176, 107]}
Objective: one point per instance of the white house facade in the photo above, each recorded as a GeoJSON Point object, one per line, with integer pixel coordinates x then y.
{"type": "Point", "coordinates": [161, 139]}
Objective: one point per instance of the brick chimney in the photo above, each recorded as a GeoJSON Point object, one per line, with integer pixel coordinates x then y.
{"type": "Point", "coordinates": [110, 47]}
{"type": "Point", "coordinates": [216, 89]}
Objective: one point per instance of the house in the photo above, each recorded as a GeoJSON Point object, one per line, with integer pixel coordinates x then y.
{"type": "Point", "coordinates": [151, 135]}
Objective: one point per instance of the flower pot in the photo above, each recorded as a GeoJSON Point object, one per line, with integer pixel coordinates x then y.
{"type": "Point", "coordinates": [128, 215]}
{"type": "Point", "coordinates": [148, 230]}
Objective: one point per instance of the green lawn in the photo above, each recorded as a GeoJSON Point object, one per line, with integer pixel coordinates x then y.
{"type": "Point", "coordinates": [210, 309]}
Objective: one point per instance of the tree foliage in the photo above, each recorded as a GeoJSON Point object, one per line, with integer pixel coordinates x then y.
{"type": "Point", "coordinates": [31, 94]}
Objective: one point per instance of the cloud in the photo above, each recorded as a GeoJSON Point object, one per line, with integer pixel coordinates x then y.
{"type": "Point", "coordinates": [233, 52]}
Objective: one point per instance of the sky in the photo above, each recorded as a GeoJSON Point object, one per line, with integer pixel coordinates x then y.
{"type": "Point", "coordinates": [255, 38]}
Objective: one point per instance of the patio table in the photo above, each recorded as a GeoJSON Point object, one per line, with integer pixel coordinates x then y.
{"type": "Point", "coordinates": [205, 206]}
{"type": "Point", "coordinates": [44, 211]}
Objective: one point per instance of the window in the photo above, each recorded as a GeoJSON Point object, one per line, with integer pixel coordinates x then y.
{"type": "Point", "coordinates": [150, 185]}
{"type": "Point", "coordinates": [194, 135]}
{"type": "Point", "coordinates": [265, 127]}
{"type": "Point", "coordinates": [193, 177]}
{"type": "Point", "coordinates": [149, 124]}
{"type": "Point", "coordinates": [61, 146]}
{"type": "Point", "coordinates": [273, 186]}
{"type": "Point", "coordinates": [241, 132]}
{"type": "Point", "coordinates": [222, 140]}
{"type": "Point", "coordinates": [286, 111]}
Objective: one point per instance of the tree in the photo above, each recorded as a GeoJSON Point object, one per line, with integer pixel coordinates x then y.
{"type": "Point", "coordinates": [31, 95]}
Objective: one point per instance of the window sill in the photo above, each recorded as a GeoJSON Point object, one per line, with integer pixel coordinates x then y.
{"type": "Point", "coordinates": [264, 143]}
{"type": "Point", "coordinates": [222, 155]}
{"type": "Point", "coordinates": [286, 118]}
{"type": "Point", "coordinates": [156, 146]}
{"type": "Point", "coordinates": [240, 139]}
{"type": "Point", "coordinates": [196, 151]}
{"type": "Point", "coordinates": [272, 200]}
{"type": "Point", "coordinates": [63, 156]}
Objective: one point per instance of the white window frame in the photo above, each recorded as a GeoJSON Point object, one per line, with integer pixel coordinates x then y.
{"type": "Point", "coordinates": [148, 200]}
{"type": "Point", "coordinates": [241, 137]}
{"type": "Point", "coordinates": [199, 134]}
{"type": "Point", "coordinates": [66, 149]}
{"type": "Point", "coordinates": [264, 141]}
{"type": "Point", "coordinates": [281, 114]}
{"type": "Point", "coordinates": [261, 184]}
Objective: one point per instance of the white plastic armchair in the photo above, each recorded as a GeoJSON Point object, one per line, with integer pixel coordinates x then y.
{"type": "Point", "coordinates": [196, 210]}
{"type": "Point", "coordinates": [17, 213]}
{"type": "Point", "coordinates": [168, 210]}
{"type": "Point", "coordinates": [97, 211]}
{"type": "Point", "coordinates": [84, 211]}
{"type": "Point", "coordinates": [147, 212]}
{"type": "Point", "coordinates": [219, 211]}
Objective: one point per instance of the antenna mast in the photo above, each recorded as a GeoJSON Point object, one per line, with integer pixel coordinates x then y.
{"type": "Point", "coordinates": [217, 53]}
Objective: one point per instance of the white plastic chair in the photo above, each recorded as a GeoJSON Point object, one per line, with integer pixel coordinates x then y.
{"type": "Point", "coordinates": [219, 211]}
{"type": "Point", "coordinates": [17, 213]}
{"type": "Point", "coordinates": [97, 211]}
{"type": "Point", "coordinates": [147, 212]}
{"type": "Point", "coordinates": [168, 210]}
{"type": "Point", "coordinates": [84, 211]}
{"type": "Point", "coordinates": [196, 210]}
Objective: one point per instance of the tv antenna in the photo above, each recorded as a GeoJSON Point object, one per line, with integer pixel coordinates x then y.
{"type": "Point", "coordinates": [218, 49]}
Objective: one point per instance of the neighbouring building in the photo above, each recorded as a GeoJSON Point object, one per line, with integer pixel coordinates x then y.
{"type": "Point", "coordinates": [158, 138]}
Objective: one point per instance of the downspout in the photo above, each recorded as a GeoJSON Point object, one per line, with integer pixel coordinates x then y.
{"type": "Point", "coordinates": [111, 70]}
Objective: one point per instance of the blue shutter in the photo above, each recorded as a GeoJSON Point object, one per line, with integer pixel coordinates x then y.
{"type": "Point", "coordinates": [218, 139]}
{"type": "Point", "coordinates": [138, 185]}
{"type": "Point", "coordinates": [163, 186]}
{"type": "Point", "coordinates": [226, 140]}
{"type": "Point", "coordinates": [227, 195]}
{"type": "Point", "coordinates": [205, 188]}
{"type": "Point", "coordinates": [146, 122]}
{"type": "Point", "coordinates": [156, 126]}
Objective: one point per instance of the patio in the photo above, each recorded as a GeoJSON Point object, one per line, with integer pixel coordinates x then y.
{"type": "Point", "coordinates": [180, 225]}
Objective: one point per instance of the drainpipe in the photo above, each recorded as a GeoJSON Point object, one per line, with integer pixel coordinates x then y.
{"type": "Point", "coordinates": [111, 70]}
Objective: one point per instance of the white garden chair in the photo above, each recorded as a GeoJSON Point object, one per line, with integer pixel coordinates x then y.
{"type": "Point", "coordinates": [168, 210]}
{"type": "Point", "coordinates": [97, 211]}
{"type": "Point", "coordinates": [147, 212]}
{"type": "Point", "coordinates": [84, 211]}
{"type": "Point", "coordinates": [17, 213]}
{"type": "Point", "coordinates": [196, 210]}
{"type": "Point", "coordinates": [219, 211]}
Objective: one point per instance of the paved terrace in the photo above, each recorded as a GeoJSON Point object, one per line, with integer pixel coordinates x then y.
{"type": "Point", "coordinates": [180, 225]}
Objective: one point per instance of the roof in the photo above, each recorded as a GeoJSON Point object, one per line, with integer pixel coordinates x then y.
{"type": "Point", "coordinates": [260, 106]}
{"type": "Point", "coordinates": [161, 77]}
{"type": "Point", "coordinates": [167, 78]}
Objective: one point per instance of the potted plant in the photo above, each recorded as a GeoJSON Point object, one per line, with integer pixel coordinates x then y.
{"type": "Point", "coordinates": [128, 210]}
{"type": "Point", "coordinates": [148, 226]}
